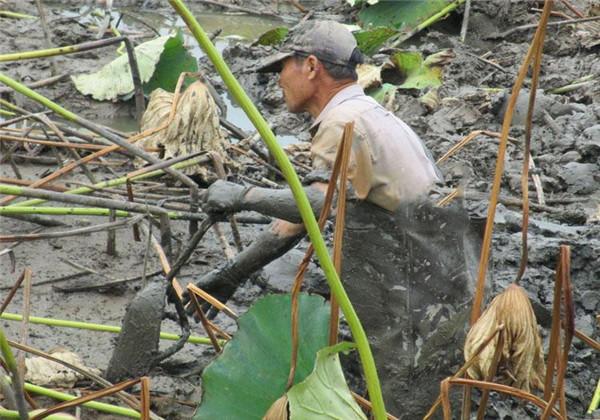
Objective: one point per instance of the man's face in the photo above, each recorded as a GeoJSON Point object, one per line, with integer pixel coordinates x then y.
{"type": "Point", "coordinates": [295, 80]}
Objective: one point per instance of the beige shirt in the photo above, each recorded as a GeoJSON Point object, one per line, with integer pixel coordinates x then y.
{"type": "Point", "coordinates": [388, 163]}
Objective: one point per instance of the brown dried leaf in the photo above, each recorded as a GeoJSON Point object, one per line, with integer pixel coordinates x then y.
{"type": "Point", "coordinates": [195, 126]}
{"type": "Point", "coordinates": [279, 409]}
{"type": "Point", "coordinates": [522, 362]}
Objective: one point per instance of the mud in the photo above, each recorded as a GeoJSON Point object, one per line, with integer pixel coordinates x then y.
{"type": "Point", "coordinates": [565, 149]}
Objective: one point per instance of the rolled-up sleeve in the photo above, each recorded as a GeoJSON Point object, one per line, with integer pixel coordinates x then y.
{"type": "Point", "coordinates": [324, 148]}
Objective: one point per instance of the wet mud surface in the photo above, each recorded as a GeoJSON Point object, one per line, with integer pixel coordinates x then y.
{"type": "Point", "coordinates": [565, 149]}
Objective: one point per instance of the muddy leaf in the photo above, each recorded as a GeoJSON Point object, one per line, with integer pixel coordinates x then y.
{"type": "Point", "coordinates": [416, 73]}
{"type": "Point", "coordinates": [114, 79]}
{"type": "Point", "coordinates": [251, 372]}
{"type": "Point", "coordinates": [369, 40]}
{"type": "Point", "coordinates": [403, 15]}
{"type": "Point", "coordinates": [273, 37]}
{"type": "Point", "coordinates": [194, 128]}
{"type": "Point", "coordinates": [325, 392]}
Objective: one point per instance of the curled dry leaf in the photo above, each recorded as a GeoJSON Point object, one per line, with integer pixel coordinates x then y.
{"type": "Point", "coordinates": [194, 128]}
{"type": "Point", "coordinates": [44, 372]}
{"type": "Point", "coordinates": [279, 409]}
{"type": "Point", "coordinates": [522, 362]}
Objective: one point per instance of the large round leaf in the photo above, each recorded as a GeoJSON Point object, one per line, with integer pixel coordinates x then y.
{"type": "Point", "coordinates": [403, 15]}
{"type": "Point", "coordinates": [160, 61]}
{"type": "Point", "coordinates": [251, 373]}
{"type": "Point", "coordinates": [325, 394]}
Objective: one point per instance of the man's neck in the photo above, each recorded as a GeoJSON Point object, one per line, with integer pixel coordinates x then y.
{"type": "Point", "coordinates": [323, 96]}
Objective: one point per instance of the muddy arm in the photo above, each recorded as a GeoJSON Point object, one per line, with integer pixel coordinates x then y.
{"type": "Point", "coordinates": [272, 243]}
{"type": "Point", "coordinates": [228, 197]}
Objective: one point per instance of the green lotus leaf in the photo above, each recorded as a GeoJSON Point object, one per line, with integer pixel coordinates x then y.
{"type": "Point", "coordinates": [324, 394]}
{"type": "Point", "coordinates": [251, 372]}
{"type": "Point", "coordinates": [369, 40]}
{"type": "Point", "coordinates": [416, 74]}
{"type": "Point", "coordinates": [273, 37]}
{"type": "Point", "coordinates": [401, 15]}
{"type": "Point", "coordinates": [160, 61]}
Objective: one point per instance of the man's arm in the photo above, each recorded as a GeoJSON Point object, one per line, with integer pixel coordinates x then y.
{"type": "Point", "coordinates": [227, 197]}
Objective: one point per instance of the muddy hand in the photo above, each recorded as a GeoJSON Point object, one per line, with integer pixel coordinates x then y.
{"type": "Point", "coordinates": [223, 197]}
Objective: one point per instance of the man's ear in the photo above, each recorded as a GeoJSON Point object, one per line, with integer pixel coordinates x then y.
{"type": "Point", "coordinates": [313, 66]}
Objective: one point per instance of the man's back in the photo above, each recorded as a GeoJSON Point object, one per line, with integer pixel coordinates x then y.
{"type": "Point", "coordinates": [389, 162]}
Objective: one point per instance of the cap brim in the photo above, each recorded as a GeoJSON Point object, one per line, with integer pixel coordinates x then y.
{"type": "Point", "coordinates": [272, 64]}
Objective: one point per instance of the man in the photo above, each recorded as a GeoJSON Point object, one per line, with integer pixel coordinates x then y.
{"type": "Point", "coordinates": [396, 245]}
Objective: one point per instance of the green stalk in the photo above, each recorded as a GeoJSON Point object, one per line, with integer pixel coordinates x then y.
{"type": "Point", "coordinates": [76, 211]}
{"type": "Point", "coordinates": [17, 381]}
{"type": "Point", "coordinates": [595, 400]}
{"type": "Point", "coordinates": [10, 414]}
{"type": "Point", "coordinates": [302, 202]}
{"type": "Point", "coordinates": [103, 407]}
{"type": "Point", "coordinates": [6, 13]}
{"type": "Point", "coordinates": [7, 113]}
{"type": "Point", "coordinates": [61, 211]}
{"type": "Point", "coordinates": [22, 89]}
{"type": "Point", "coordinates": [112, 182]}
{"type": "Point", "coordinates": [95, 327]}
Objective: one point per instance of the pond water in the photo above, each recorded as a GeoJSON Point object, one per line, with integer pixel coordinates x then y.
{"type": "Point", "coordinates": [234, 28]}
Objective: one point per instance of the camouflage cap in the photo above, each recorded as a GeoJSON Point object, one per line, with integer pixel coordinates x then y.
{"type": "Point", "coordinates": [329, 41]}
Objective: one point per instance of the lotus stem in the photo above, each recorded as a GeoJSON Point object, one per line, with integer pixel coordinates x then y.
{"type": "Point", "coordinates": [15, 15]}
{"type": "Point", "coordinates": [115, 182]}
{"type": "Point", "coordinates": [17, 382]}
{"type": "Point", "coordinates": [595, 400]}
{"type": "Point", "coordinates": [103, 407]}
{"type": "Point", "coordinates": [10, 414]}
{"type": "Point", "coordinates": [302, 202]}
{"type": "Point", "coordinates": [96, 202]}
{"type": "Point", "coordinates": [95, 327]}
{"type": "Point", "coordinates": [83, 211]}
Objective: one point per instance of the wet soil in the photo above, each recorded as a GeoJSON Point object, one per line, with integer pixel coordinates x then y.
{"type": "Point", "coordinates": [565, 149]}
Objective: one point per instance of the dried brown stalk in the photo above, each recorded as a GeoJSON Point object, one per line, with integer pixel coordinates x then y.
{"type": "Point", "coordinates": [340, 222]}
{"type": "Point", "coordinates": [464, 368]}
{"type": "Point", "coordinates": [89, 397]}
{"type": "Point", "coordinates": [204, 321]}
{"type": "Point", "coordinates": [12, 292]}
{"type": "Point", "coordinates": [307, 256]}
{"type": "Point", "coordinates": [212, 300]}
{"type": "Point", "coordinates": [505, 389]}
{"type": "Point", "coordinates": [24, 331]}
{"type": "Point", "coordinates": [565, 277]}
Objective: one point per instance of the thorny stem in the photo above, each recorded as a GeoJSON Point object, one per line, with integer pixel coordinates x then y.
{"type": "Point", "coordinates": [304, 207]}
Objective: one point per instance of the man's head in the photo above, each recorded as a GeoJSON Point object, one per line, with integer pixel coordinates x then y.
{"type": "Point", "coordinates": [315, 58]}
